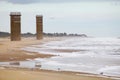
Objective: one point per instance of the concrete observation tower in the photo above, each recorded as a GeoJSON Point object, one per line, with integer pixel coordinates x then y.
{"type": "Point", "coordinates": [15, 21]}
{"type": "Point", "coordinates": [39, 27]}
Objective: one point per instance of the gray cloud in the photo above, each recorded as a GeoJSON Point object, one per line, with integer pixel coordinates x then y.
{"type": "Point", "coordinates": [22, 1]}
{"type": "Point", "coordinates": [49, 1]}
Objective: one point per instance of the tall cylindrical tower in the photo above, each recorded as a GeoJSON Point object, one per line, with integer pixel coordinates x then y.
{"type": "Point", "coordinates": [15, 21]}
{"type": "Point", "coordinates": [39, 26]}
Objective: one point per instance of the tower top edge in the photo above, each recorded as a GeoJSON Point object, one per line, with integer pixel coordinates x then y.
{"type": "Point", "coordinates": [39, 15]}
{"type": "Point", "coordinates": [15, 13]}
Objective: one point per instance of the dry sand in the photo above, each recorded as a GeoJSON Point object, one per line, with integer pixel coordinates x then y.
{"type": "Point", "coordinates": [17, 74]}
{"type": "Point", "coordinates": [11, 51]}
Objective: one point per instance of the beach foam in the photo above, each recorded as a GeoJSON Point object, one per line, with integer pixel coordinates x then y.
{"type": "Point", "coordinates": [93, 55]}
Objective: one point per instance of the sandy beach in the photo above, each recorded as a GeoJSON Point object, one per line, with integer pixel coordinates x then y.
{"type": "Point", "coordinates": [11, 51]}
{"type": "Point", "coordinates": [24, 74]}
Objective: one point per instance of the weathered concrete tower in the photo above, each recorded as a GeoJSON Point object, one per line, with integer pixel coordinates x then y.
{"type": "Point", "coordinates": [39, 26]}
{"type": "Point", "coordinates": [15, 26]}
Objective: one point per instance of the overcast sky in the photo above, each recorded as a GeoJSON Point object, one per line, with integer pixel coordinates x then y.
{"type": "Point", "coordinates": [91, 17]}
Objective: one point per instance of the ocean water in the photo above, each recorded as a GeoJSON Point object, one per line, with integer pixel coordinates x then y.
{"type": "Point", "coordinates": [91, 55]}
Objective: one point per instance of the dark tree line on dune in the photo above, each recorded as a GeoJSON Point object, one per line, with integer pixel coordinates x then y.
{"type": "Point", "coordinates": [4, 34]}
{"type": "Point", "coordinates": [64, 34]}
{"type": "Point", "coordinates": [28, 34]}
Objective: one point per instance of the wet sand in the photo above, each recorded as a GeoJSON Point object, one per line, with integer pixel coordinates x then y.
{"type": "Point", "coordinates": [11, 51]}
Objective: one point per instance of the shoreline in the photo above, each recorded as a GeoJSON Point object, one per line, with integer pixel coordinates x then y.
{"type": "Point", "coordinates": [38, 69]}
{"type": "Point", "coordinates": [11, 51]}
{"type": "Point", "coordinates": [81, 75]}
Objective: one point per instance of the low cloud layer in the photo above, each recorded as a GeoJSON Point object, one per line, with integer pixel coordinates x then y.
{"type": "Point", "coordinates": [48, 1]}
